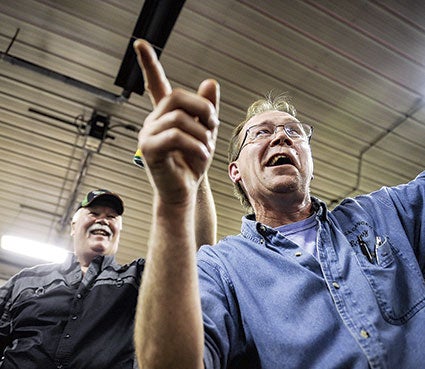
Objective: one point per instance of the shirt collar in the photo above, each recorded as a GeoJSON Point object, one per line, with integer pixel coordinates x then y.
{"type": "Point", "coordinates": [103, 261]}
{"type": "Point", "coordinates": [252, 229]}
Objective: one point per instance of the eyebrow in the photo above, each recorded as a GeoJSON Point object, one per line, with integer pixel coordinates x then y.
{"type": "Point", "coordinates": [269, 121]}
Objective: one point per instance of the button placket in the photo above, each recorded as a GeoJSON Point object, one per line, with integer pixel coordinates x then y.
{"type": "Point", "coordinates": [66, 342]}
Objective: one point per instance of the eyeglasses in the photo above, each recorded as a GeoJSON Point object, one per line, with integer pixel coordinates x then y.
{"type": "Point", "coordinates": [294, 130]}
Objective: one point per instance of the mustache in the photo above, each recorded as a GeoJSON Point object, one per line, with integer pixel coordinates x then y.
{"type": "Point", "coordinates": [100, 227]}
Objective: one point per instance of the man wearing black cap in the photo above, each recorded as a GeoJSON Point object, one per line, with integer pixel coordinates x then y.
{"type": "Point", "coordinates": [96, 226]}
{"type": "Point", "coordinates": [78, 314]}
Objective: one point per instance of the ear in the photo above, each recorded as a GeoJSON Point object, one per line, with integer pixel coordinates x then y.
{"type": "Point", "coordinates": [233, 172]}
{"type": "Point", "coordinates": [72, 229]}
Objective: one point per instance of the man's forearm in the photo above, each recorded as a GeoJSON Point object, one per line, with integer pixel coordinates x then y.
{"type": "Point", "coordinates": [169, 330]}
{"type": "Point", "coordinates": [205, 215]}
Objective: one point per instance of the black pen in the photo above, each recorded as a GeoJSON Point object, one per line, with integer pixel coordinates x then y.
{"type": "Point", "coordinates": [365, 250]}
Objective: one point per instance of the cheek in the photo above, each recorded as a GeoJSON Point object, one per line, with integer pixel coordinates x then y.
{"type": "Point", "coordinates": [306, 157]}
{"type": "Point", "coordinates": [117, 225]}
{"type": "Point", "coordinates": [309, 170]}
{"type": "Point", "coordinates": [253, 178]}
{"type": "Point", "coordinates": [116, 229]}
{"type": "Point", "coordinates": [309, 160]}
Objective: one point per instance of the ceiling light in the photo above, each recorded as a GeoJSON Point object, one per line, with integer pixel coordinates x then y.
{"type": "Point", "coordinates": [33, 249]}
{"type": "Point", "coordinates": [97, 129]}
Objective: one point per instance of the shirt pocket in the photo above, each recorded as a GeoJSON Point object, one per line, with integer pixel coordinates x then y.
{"type": "Point", "coordinates": [396, 281]}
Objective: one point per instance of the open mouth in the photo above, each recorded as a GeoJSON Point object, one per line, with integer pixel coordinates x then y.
{"type": "Point", "coordinates": [100, 230]}
{"type": "Point", "coordinates": [279, 159]}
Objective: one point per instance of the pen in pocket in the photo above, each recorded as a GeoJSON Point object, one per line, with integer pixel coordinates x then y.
{"type": "Point", "coordinates": [365, 250]}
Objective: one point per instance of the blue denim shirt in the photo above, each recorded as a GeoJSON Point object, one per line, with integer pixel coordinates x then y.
{"type": "Point", "coordinates": [360, 304]}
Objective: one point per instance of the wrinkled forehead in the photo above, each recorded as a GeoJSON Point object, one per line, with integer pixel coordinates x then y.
{"type": "Point", "coordinates": [272, 116]}
{"type": "Point", "coordinates": [98, 207]}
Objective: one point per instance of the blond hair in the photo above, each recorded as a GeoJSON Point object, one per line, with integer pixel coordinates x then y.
{"type": "Point", "coordinates": [270, 102]}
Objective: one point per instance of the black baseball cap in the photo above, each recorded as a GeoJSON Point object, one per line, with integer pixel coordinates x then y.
{"type": "Point", "coordinates": [107, 197]}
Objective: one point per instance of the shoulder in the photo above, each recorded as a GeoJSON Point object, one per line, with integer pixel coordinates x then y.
{"type": "Point", "coordinates": [133, 269]}
{"type": "Point", "coordinates": [387, 196]}
{"type": "Point", "coordinates": [31, 278]}
{"type": "Point", "coordinates": [227, 246]}
{"type": "Point", "coordinates": [222, 258]}
{"type": "Point", "coordinates": [38, 271]}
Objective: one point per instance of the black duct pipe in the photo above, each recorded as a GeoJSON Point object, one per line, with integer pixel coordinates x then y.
{"type": "Point", "coordinates": [155, 22]}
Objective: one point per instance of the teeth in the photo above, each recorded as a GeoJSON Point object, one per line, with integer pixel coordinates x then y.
{"type": "Point", "coordinates": [276, 158]}
{"type": "Point", "coordinates": [100, 232]}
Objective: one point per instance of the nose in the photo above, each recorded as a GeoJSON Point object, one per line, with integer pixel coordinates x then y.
{"type": "Point", "coordinates": [102, 220]}
{"type": "Point", "coordinates": [280, 137]}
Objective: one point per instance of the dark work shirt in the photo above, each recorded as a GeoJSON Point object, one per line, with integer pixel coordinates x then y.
{"type": "Point", "coordinates": [51, 316]}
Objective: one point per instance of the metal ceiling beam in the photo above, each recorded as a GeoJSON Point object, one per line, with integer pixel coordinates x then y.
{"type": "Point", "coordinates": [103, 94]}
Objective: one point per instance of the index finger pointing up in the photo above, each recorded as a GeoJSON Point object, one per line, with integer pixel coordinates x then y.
{"type": "Point", "coordinates": [156, 82]}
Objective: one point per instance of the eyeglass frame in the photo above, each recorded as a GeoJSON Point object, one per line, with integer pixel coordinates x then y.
{"type": "Point", "coordinates": [243, 144]}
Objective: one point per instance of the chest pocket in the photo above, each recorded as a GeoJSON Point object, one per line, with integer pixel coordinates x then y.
{"type": "Point", "coordinates": [394, 277]}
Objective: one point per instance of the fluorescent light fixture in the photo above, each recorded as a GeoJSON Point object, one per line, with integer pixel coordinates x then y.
{"type": "Point", "coordinates": [33, 249]}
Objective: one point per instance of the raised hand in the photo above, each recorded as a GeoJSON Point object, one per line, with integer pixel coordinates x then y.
{"type": "Point", "coordinates": [178, 138]}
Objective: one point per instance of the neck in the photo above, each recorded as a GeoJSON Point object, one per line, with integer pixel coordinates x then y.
{"type": "Point", "coordinates": [277, 213]}
{"type": "Point", "coordinates": [84, 263]}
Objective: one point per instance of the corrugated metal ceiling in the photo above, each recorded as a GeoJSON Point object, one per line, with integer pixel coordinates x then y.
{"type": "Point", "coordinates": [355, 70]}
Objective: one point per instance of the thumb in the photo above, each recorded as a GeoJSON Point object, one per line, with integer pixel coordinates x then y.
{"type": "Point", "coordinates": [210, 89]}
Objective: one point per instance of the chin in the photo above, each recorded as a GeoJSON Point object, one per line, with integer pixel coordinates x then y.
{"type": "Point", "coordinates": [287, 186]}
{"type": "Point", "coordinates": [99, 251]}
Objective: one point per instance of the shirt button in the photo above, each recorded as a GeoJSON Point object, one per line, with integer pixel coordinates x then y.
{"type": "Point", "coordinates": [261, 241]}
{"type": "Point", "coordinates": [120, 282]}
{"type": "Point", "coordinates": [79, 296]}
{"type": "Point", "coordinates": [74, 317]}
{"type": "Point", "coordinates": [336, 285]}
{"type": "Point", "coordinates": [59, 366]}
{"type": "Point", "coordinates": [67, 335]}
{"type": "Point", "coordinates": [364, 333]}
{"type": "Point", "coordinates": [298, 253]}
